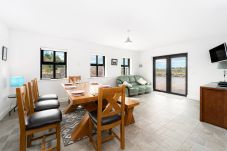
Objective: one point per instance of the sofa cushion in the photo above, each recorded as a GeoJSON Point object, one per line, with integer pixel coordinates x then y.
{"type": "Point", "coordinates": [127, 84]}
{"type": "Point", "coordinates": [133, 91]}
{"type": "Point", "coordinates": [142, 89]}
{"type": "Point", "coordinates": [134, 84]}
{"type": "Point", "coordinates": [42, 118]}
{"type": "Point", "coordinates": [142, 81]}
{"type": "Point", "coordinates": [132, 79]}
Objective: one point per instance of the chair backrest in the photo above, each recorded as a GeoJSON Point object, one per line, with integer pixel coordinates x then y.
{"type": "Point", "coordinates": [31, 96]}
{"type": "Point", "coordinates": [23, 105]}
{"type": "Point", "coordinates": [115, 102]}
{"type": "Point", "coordinates": [73, 79]}
{"type": "Point", "coordinates": [35, 89]}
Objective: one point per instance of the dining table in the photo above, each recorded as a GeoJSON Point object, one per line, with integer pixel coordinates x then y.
{"type": "Point", "coordinates": [83, 94]}
{"type": "Point", "coordinates": [87, 99]}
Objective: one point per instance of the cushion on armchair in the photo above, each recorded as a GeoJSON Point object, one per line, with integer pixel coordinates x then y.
{"type": "Point", "coordinates": [127, 84]}
{"type": "Point", "coordinates": [142, 81]}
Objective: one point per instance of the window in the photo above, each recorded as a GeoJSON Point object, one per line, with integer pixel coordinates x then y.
{"type": "Point", "coordinates": [53, 64]}
{"type": "Point", "coordinates": [97, 66]}
{"type": "Point", "coordinates": [125, 66]}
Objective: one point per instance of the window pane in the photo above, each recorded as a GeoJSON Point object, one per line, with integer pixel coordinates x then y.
{"type": "Point", "coordinates": [60, 71]}
{"type": "Point", "coordinates": [47, 71]}
{"type": "Point", "coordinates": [126, 70]}
{"type": "Point", "coordinates": [126, 61]}
{"type": "Point", "coordinates": [59, 56]}
{"type": "Point", "coordinates": [178, 75]}
{"type": "Point", "coordinates": [122, 71]}
{"type": "Point", "coordinates": [93, 59]}
{"type": "Point", "coordinates": [93, 71]}
{"type": "Point", "coordinates": [101, 71]}
{"type": "Point", "coordinates": [48, 56]}
{"type": "Point", "coordinates": [122, 61]}
{"type": "Point", "coordinates": [160, 74]}
{"type": "Point", "coordinates": [100, 59]}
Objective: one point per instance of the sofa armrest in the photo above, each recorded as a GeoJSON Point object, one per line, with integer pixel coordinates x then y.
{"type": "Point", "coordinates": [119, 82]}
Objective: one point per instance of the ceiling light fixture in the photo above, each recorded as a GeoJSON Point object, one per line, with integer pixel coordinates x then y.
{"type": "Point", "coordinates": [128, 40]}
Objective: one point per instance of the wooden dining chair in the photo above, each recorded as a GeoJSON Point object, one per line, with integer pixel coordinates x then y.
{"type": "Point", "coordinates": [109, 116]}
{"type": "Point", "coordinates": [31, 123]}
{"type": "Point", "coordinates": [39, 97]}
{"type": "Point", "coordinates": [41, 105]}
{"type": "Point", "coordinates": [74, 79]}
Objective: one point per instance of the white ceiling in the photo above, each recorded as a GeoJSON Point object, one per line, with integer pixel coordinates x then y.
{"type": "Point", "coordinates": [153, 23]}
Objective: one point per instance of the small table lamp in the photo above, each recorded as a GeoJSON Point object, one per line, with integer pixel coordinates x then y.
{"type": "Point", "coordinates": [16, 81]}
{"type": "Point", "coordinates": [223, 65]}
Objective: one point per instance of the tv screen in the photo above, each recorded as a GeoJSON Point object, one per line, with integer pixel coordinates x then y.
{"type": "Point", "coordinates": [218, 53]}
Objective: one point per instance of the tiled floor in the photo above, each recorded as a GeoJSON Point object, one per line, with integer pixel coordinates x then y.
{"type": "Point", "coordinates": [163, 123]}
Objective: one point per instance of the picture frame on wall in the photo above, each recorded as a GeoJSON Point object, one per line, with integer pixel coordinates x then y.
{"type": "Point", "coordinates": [114, 62]}
{"type": "Point", "coordinates": [4, 53]}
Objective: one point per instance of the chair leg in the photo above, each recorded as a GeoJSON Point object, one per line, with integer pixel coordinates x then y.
{"type": "Point", "coordinates": [29, 140]}
{"type": "Point", "coordinates": [58, 137]}
{"type": "Point", "coordinates": [22, 141]}
{"type": "Point", "coordinates": [122, 131]}
{"type": "Point", "coordinates": [110, 131]}
{"type": "Point", "coordinates": [90, 130]}
{"type": "Point", "coordinates": [99, 140]}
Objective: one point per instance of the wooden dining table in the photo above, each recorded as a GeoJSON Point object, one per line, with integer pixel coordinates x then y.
{"type": "Point", "coordinates": [87, 100]}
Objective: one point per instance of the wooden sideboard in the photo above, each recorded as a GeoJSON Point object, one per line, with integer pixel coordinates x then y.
{"type": "Point", "coordinates": [213, 105]}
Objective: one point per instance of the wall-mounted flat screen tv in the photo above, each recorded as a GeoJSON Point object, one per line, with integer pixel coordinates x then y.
{"type": "Point", "coordinates": [218, 53]}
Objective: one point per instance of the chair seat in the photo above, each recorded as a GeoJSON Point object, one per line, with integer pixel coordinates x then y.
{"type": "Point", "coordinates": [105, 120]}
{"type": "Point", "coordinates": [45, 105]}
{"type": "Point", "coordinates": [43, 118]}
{"type": "Point", "coordinates": [48, 97]}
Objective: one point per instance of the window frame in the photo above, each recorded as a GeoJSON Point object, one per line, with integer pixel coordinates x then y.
{"type": "Point", "coordinates": [96, 65]}
{"type": "Point", "coordinates": [124, 66]}
{"type": "Point", "coordinates": [42, 62]}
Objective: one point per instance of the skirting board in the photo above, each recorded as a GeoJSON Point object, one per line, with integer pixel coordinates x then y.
{"type": "Point", "coordinates": [191, 97]}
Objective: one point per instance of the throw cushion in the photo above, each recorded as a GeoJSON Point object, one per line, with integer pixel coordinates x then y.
{"type": "Point", "coordinates": [141, 81]}
{"type": "Point", "coordinates": [127, 84]}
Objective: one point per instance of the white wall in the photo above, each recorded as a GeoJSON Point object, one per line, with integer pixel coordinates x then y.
{"type": "Point", "coordinates": [200, 69]}
{"type": "Point", "coordinates": [25, 59]}
{"type": "Point", "coordinates": [4, 73]}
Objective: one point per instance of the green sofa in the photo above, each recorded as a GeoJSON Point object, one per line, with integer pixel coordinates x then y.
{"type": "Point", "coordinates": [136, 88]}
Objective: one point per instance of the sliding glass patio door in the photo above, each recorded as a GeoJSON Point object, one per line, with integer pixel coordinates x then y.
{"type": "Point", "coordinates": [170, 74]}
{"type": "Point", "coordinates": [160, 74]}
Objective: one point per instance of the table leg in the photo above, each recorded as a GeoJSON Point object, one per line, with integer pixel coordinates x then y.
{"type": "Point", "coordinates": [14, 109]}
{"type": "Point", "coordinates": [70, 108]}
{"type": "Point", "coordinates": [82, 129]}
{"type": "Point", "coordinates": [129, 118]}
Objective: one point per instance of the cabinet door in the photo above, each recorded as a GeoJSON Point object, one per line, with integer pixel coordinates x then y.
{"type": "Point", "coordinates": [225, 110]}
{"type": "Point", "coordinates": [213, 106]}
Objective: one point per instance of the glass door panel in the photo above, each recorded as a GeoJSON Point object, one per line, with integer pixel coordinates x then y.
{"type": "Point", "coordinates": [160, 74]}
{"type": "Point", "coordinates": [178, 75]}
